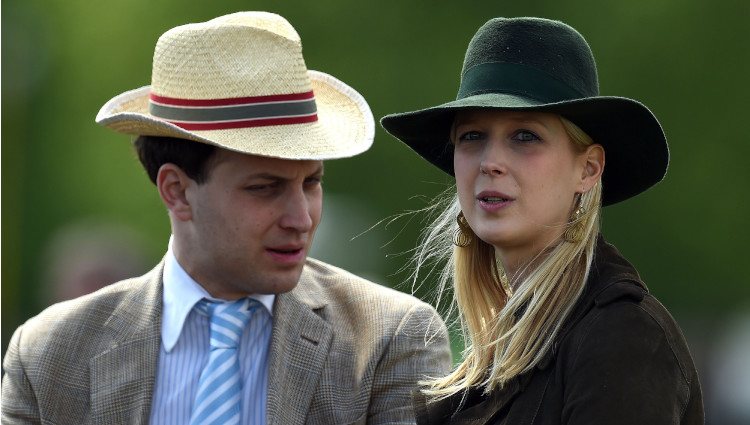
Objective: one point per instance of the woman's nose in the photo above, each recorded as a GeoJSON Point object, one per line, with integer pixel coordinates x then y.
{"type": "Point", "coordinates": [493, 159]}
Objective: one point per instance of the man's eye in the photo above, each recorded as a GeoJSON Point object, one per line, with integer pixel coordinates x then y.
{"type": "Point", "coordinates": [525, 136]}
{"type": "Point", "coordinates": [260, 187]}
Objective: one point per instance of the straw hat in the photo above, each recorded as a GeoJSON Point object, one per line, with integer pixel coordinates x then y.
{"type": "Point", "coordinates": [240, 82]}
{"type": "Point", "coordinates": [538, 64]}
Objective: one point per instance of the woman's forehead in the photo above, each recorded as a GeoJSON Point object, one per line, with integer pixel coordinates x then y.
{"type": "Point", "coordinates": [481, 114]}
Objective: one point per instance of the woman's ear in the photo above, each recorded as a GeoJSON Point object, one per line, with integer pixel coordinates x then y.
{"type": "Point", "coordinates": [593, 167]}
{"type": "Point", "coordinates": [172, 184]}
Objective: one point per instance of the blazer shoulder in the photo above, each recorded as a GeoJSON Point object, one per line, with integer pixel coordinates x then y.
{"type": "Point", "coordinates": [86, 322]}
{"type": "Point", "coordinates": [348, 287]}
{"type": "Point", "coordinates": [355, 300]}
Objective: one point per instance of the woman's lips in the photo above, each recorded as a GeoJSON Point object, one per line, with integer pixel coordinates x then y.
{"type": "Point", "coordinates": [493, 201]}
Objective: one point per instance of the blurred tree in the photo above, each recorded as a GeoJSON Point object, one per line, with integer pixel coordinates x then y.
{"type": "Point", "coordinates": [687, 60]}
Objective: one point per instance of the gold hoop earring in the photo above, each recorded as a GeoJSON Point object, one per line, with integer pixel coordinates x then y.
{"type": "Point", "coordinates": [574, 232]}
{"type": "Point", "coordinates": [463, 235]}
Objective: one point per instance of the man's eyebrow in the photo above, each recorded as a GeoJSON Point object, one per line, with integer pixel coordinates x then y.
{"type": "Point", "coordinates": [267, 176]}
{"type": "Point", "coordinates": [271, 176]}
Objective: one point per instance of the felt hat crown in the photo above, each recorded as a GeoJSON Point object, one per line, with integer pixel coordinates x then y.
{"type": "Point", "coordinates": [240, 82]}
{"type": "Point", "coordinates": [543, 65]}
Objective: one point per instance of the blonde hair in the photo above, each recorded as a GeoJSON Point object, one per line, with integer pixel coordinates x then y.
{"type": "Point", "coordinates": [506, 332]}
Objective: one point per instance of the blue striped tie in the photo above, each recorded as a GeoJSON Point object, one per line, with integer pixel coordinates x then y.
{"type": "Point", "coordinates": [220, 385]}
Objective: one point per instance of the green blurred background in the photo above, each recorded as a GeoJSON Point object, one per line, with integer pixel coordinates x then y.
{"type": "Point", "coordinates": [687, 60]}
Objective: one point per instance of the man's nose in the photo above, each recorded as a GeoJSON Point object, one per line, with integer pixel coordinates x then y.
{"type": "Point", "coordinates": [296, 214]}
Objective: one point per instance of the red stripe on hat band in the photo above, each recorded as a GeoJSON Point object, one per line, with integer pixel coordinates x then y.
{"type": "Point", "coordinates": [245, 123]}
{"type": "Point", "coordinates": [232, 100]}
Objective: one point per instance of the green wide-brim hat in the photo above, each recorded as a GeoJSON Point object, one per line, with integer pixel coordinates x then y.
{"type": "Point", "coordinates": [542, 65]}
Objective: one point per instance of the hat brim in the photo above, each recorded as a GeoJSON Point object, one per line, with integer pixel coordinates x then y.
{"type": "Point", "coordinates": [345, 125]}
{"type": "Point", "coordinates": [635, 146]}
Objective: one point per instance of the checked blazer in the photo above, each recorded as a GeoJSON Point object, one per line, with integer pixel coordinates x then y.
{"type": "Point", "coordinates": [343, 350]}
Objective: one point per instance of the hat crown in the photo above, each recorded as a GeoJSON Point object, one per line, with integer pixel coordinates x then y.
{"type": "Point", "coordinates": [270, 22]}
{"type": "Point", "coordinates": [540, 65]}
{"type": "Point", "coordinates": [240, 82]}
{"type": "Point", "coordinates": [244, 54]}
{"type": "Point", "coordinates": [536, 47]}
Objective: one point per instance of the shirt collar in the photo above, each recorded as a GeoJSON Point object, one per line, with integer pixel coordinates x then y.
{"type": "Point", "coordinates": [181, 293]}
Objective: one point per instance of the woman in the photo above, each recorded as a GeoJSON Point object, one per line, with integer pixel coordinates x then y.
{"type": "Point", "coordinates": [559, 327]}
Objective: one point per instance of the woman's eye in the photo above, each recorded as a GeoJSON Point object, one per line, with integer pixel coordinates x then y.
{"type": "Point", "coordinates": [470, 135]}
{"type": "Point", "coordinates": [525, 136]}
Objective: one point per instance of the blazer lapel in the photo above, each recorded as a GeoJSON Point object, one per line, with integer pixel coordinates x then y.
{"type": "Point", "coordinates": [123, 377]}
{"type": "Point", "coordinates": [300, 343]}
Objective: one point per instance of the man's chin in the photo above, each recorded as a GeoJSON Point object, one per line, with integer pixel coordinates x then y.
{"type": "Point", "coordinates": [282, 282]}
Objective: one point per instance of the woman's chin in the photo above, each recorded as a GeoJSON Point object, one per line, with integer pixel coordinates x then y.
{"type": "Point", "coordinates": [499, 241]}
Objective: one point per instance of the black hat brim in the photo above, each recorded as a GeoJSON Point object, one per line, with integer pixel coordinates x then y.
{"type": "Point", "coordinates": [634, 143]}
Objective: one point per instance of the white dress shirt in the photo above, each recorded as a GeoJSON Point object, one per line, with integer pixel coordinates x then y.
{"type": "Point", "coordinates": [185, 348]}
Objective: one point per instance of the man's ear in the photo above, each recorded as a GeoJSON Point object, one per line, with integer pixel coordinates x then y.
{"type": "Point", "coordinates": [593, 167]}
{"type": "Point", "coordinates": [172, 184]}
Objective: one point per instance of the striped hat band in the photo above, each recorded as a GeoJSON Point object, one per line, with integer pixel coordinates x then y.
{"type": "Point", "coordinates": [238, 112]}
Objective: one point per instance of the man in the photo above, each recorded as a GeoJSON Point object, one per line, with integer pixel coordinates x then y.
{"type": "Point", "coordinates": [235, 325]}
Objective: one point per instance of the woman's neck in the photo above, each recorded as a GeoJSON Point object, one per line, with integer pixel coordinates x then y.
{"type": "Point", "coordinates": [519, 263]}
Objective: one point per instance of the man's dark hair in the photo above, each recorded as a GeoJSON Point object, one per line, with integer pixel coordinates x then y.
{"type": "Point", "coordinates": [192, 157]}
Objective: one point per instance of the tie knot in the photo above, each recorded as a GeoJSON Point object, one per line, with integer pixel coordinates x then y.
{"type": "Point", "coordinates": [228, 320]}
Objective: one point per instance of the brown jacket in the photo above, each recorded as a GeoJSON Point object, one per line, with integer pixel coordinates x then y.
{"type": "Point", "coordinates": [343, 350]}
{"type": "Point", "coordinates": [620, 359]}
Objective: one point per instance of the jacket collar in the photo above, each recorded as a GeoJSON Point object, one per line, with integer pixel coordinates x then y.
{"type": "Point", "coordinates": [181, 293]}
{"type": "Point", "coordinates": [611, 277]}
{"type": "Point", "coordinates": [123, 376]}
{"type": "Point", "coordinates": [300, 343]}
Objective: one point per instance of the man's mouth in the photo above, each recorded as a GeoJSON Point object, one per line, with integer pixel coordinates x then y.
{"type": "Point", "coordinates": [291, 254]}
{"type": "Point", "coordinates": [288, 251]}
